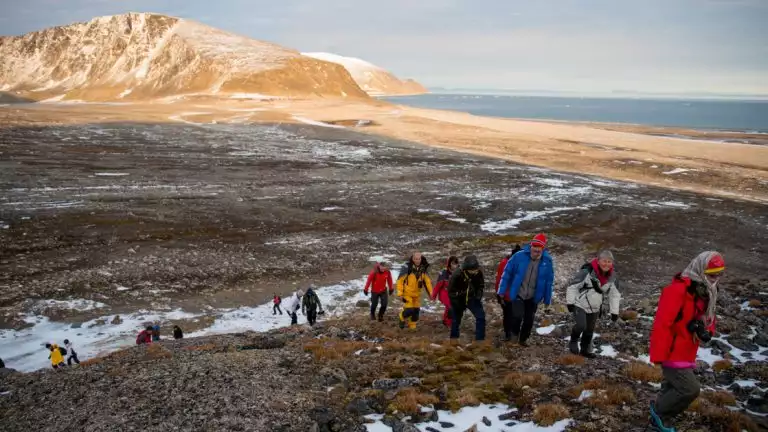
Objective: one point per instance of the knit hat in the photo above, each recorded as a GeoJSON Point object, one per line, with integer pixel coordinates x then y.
{"type": "Point", "coordinates": [539, 240]}
{"type": "Point", "coordinates": [709, 262]}
{"type": "Point", "coordinates": [470, 263]}
{"type": "Point", "coordinates": [605, 253]}
{"type": "Point", "coordinates": [715, 265]}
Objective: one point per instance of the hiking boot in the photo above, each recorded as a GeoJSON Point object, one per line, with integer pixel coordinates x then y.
{"type": "Point", "coordinates": [524, 344]}
{"type": "Point", "coordinates": [589, 355]}
{"type": "Point", "coordinates": [373, 317]}
{"type": "Point", "coordinates": [656, 422]}
{"type": "Point", "coordinates": [573, 346]}
{"type": "Point", "coordinates": [381, 317]}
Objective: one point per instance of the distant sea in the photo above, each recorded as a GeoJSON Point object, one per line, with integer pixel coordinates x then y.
{"type": "Point", "coordinates": [722, 115]}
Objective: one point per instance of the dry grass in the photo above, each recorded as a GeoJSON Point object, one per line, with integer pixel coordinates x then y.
{"type": "Point", "coordinates": [545, 322]}
{"type": "Point", "coordinates": [206, 347]}
{"type": "Point", "coordinates": [613, 395]}
{"type": "Point", "coordinates": [410, 401]}
{"type": "Point", "coordinates": [157, 351]}
{"type": "Point", "coordinates": [570, 359]}
{"type": "Point", "coordinates": [466, 397]}
{"type": "Point", "coordinates": [719, 398]}
{"type": "Point", "coordinates": [722, 365]}
{"type": "Point", "coordinates": [643, 372]}
{"type": "Point", "coordinates": [419, 346]}
{"type": "Point", "coordinates": [629, 315]}
{"type": "Point", "coordinates": [755, 303]}
{"type": "Point", "coordinates": [515, 381]}
{"type": "Point", "coordinates": [730, 421]}
{"type": "Point", "coordinates": [548, 414]}
{"type": "Point", "coordinates": [593, 384]}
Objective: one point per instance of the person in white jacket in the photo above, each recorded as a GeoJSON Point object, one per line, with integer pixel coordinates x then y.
{"type": "Point", "coordinates": [71, 354]}
{"type": "Point", "coordinates": [292, 306]}
{"type": "Point", "coordinates": [585, 295]}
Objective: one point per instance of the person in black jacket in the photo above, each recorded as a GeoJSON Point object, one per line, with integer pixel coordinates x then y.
{"type": "Point", "coordinates": [465, 290]}
{"type": "Point", "coordinates": [177, 333]}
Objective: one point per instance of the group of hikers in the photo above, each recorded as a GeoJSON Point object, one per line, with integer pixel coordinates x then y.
{"type": "Point", "coordinates": [152, 334]}
{"type": "Point", "coordinates": [308, 302]}
{"type": "Point", "coordinates": [59, 353]}
{"type": "Point", "coordinates": [524, 280]}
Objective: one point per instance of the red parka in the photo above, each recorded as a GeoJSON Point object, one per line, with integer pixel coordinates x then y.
{"type": "Point", "coordinates": [378, 281]}
{"type": "Point", "coordinates": [670, 339]}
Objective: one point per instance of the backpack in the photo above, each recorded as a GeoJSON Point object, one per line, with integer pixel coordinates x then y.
{"type": "Point", "coordinates": [63, 351]}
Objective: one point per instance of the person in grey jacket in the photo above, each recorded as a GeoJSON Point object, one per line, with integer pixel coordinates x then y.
{"type": "Point", "coordinates": [585, 295]}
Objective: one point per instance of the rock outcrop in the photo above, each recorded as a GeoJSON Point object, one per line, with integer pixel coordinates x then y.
{"type": "Point", "coordinates": [139, 56]}
{"type": "Point", "coordinates": [375, 80]}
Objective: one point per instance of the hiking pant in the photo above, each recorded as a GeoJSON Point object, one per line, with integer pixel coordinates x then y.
{"type": "Point", "coordinates": [72, 357]}
{"type": "Point", "coordinates": [312, 315]}
{"type": "Point", "coordinates": [523, 312]}
{"type": "Point", "coordinates": [410, 316]}
{"type": "Point", "coordinates": [506, 309]}
{"type": "Point", "coordinates": [476, 307]}
{"type": "Point", "coordinates": [276, 309]}
{"type": "Point", "coordinates": [375, 297]}
{"type": "Point", "coordinates": [294, 317]}
{"type": "Point", "coordinates": [678, 390]}
{"type": "Point", "coordinates": [448, 316]}
{"type": "Point", "coordinates": [584, 328]}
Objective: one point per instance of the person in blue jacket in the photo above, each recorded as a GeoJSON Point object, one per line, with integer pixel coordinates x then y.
{"type": "Point", "coordinates": [527, 281]}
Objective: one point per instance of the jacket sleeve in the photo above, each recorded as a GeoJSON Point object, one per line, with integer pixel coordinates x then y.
{"type": "Point", "coordinates": [670, 304]}
{"type": "Point", "coordinates": [441, 285]}
{"type": "Point", "coordinates": [614, 298]}
{"type": "Point", "coordinates": [401, 280]}
{"type": "Point", "coordinates": [507, 276]}
{"type": "Point", "coordinates": [368, 282]}
{"type": "Point", "coordinates": [500, 271]}
{"type": "Point", "coordinates": [317, 299]}
{"type": "Point", "coordinates": [481, 281]}
{"type": "Point", "coordinates": [428, 284]}
{"type": "Point", "coordinates": [389, 281]}
{"type": "Point", "coordinates": [574, 286]}
{"type": "Point", "coordinates": [550, 283]}
{"type": "Point", "coordinates": [451, 285]}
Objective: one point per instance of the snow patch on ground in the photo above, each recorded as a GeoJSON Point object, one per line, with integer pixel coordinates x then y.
{"type": "Point", "coordinates": [676, 171]}
{"type": "Point", "coordinates": [546, 330]}
{"type": "Point", "coordinates": [467, 417]}
{"type": "Point", "coordinates": [497, 226]}
{"type": "Point", "coordinates": [673, 204]}
{"type": "Point", "coordinates": [316, 123]}
{"type": "Point", "coordinates": [608, 351]}
{"type": "Point", "coordinates": [705, 355]}
{"type": "Point", "coordinates": [585, 394]}
{"type": "Point", "coordinates": [73, 304]}
{"type": "Point", "coordinates": [328, 209]}
{"type": "Point", "coordinates": [110, 174]}
{"type": "Point", "coordinates": [254, 96]}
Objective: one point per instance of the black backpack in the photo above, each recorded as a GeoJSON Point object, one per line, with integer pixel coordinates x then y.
{"type": "Point", "coordinates": [63, 351]}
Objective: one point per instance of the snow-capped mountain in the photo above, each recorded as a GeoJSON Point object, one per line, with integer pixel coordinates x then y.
{"type": "Point", "coordinates": [142, 56]}
{"type": "Point", "coordinates": [371, 78]}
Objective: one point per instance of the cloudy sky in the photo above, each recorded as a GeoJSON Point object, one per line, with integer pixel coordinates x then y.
{"type": "Point", "coordinates": [590, 46]}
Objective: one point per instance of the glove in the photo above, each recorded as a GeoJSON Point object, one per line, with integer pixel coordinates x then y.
{"type": "Point", "coordinates": [500, 299]}
{"type": "Point", "coordinates": [391, 292]}
{"type": "Point", "coordinates": [402, 299]}
{"type": "Point", "coordinates": [614, 317]}
{"type": "Point", "coordinates": [365, 292]}
{"type": "Point", "coordinates": [571, 308]}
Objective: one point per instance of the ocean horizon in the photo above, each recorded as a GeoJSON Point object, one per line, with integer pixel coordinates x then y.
{"type": "Point", "coordinates": [736, 115]}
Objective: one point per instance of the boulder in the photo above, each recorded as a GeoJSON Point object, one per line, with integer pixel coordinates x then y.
{"type": "Point", "coordinates": [363, 304]}
{"type": "Point", "coordinates": [395, 383]}
{"type": "Point", "coordinates": [761, 339]}
{"type": "Point", "coordinates": [743, 344]}
{"type": "Point", "coordinates": [117, 320]}
{"type": "Point", "coordinates": [334, 376]}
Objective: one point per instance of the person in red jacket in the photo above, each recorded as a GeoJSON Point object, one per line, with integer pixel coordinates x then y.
{"type": "Point", "coordinates": [145, 337]}
{"type": "Point", "coordinates": [379, 281]}
{"type": "Point", "coordinates": [441, 289]}
{"type": "Point", "coordinates": [685, 317]}
{"type": "Point", "coordinates": [506, 307]}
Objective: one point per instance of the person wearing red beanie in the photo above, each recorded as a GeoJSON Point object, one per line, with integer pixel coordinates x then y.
{"type": "Point", "coordinates": [527, 281]}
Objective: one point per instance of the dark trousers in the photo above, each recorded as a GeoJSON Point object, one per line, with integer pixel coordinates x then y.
{"type": "Point", "coordinates": [476, 307]}
{"type": "Point", "coordinates": [678, 390]}
{"type": "Point", "coordinates": [523, 312]}
{"type": "Point", "coordinates": [506, 309]}
{"type": "Point", "coordinates": [375, 298]}
{"type": "Point", "coordinates": [312, 316]}
{"type": "Point", "coordinates": [584, 329]}
{"type": "Point", "coordinates": [72, 357]}
{"type": "Point", "coordinates": [294, 317]}
{"type": "Point", "coordinates": [276, 309]}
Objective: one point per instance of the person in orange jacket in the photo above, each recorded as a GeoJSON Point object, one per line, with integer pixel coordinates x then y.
{"type": "Point", "coordinates": [440, 292]}
{"type": "Point", "coordinates": [56, 356]}
{"type": "Point", "coordinates": [685, 316]}
{"type": "Point", "coordinates": [380, 282]}
{"type": "Point", "coordinates": [412, 279]}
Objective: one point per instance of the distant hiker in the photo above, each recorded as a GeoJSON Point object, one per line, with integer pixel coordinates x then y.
{"type": "Point", "coordinates": [276, 300]}
{"type": "Point", "coordinates": [71, 354]}
{"type": "Point", "coordinates": [2, 363]}
{"type": "Point", "coordinates": [145, 336]}
{"type": "Point", "coordinates": [412, 279]}
{"type": "Point", "coordinates": [380, 282]}
{"type": "Point", "coordinates": [56, 355]}
{"type": "Point", "coordinates": [585, 295]}
{"type": "Point", "coordinates": [527, 281]}
{"type": "Point", "coordinates": [177, 333]}
{"type": "Point", "coordinates": [440, 292]}
{"type": "Point", "coordinates": [155, 333]}
{"type": "Point", "coordinates": [506, 307]}
{"type": "Point", "coordinates": [310, 305]}
{"type": "Point", "coordinates": [685, 316]}
{"type": "Point", "coordinates": [292, 306]}
{"type": "Point", "coordinates": [466, 293]}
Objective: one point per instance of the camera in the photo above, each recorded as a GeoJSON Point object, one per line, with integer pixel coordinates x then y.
{"type": "Point", "coordinates": [698, 328]}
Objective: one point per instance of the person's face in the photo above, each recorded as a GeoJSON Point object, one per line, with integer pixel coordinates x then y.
{"type": "Point", "coordinates": [417, 258]}
{"type": "Point", "coordinates": [536, 252]}
{"type": "Point", "coordinates": [473, 271]}
{"type": "Point", "coordinates": [605, 264]}
{"type": "Point", "coordinates": [713, 278]}
{"type": "Point", "coordinates": [454, 266]}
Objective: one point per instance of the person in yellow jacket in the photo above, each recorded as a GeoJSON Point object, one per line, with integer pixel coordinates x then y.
{"type": "Point", "coordinates": [412, 279]}
{"type": "Point", "coordinates": [57, 358]}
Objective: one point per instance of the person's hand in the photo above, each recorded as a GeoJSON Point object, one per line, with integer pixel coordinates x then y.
{"type": "Point", "coordinates": [571, 308]}
{"type": "Point", "coordinates": [391, 292]}
{"type": "Point", "coordinates": [500, 299]}
{"type": "Point", "coordinates": [402, 299]}
{"type": "Point", "coordinates": [614, 317]}
{"type": "Point", "coordinates": [365, 292]}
